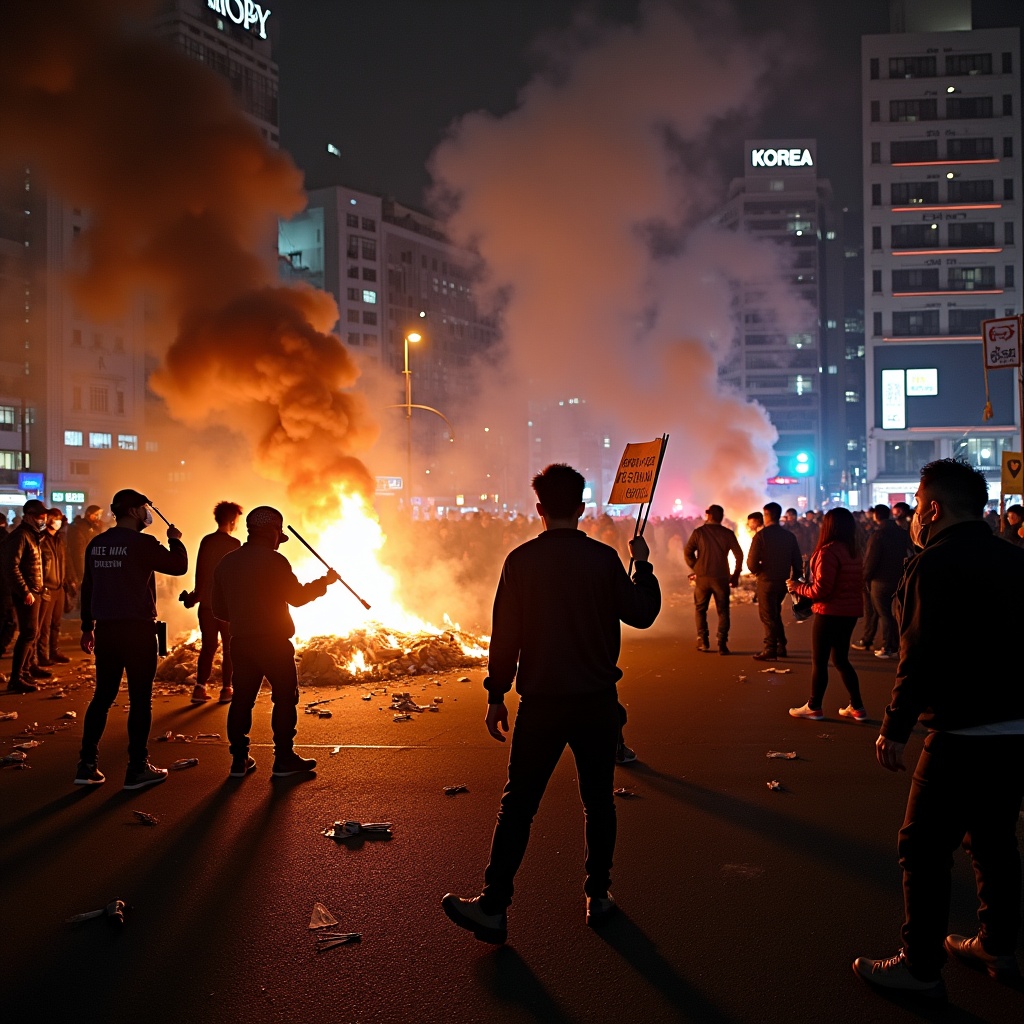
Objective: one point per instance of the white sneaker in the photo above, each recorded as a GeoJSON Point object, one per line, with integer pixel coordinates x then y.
{"type": "Point", "coordinates": [815, 714]}
{"type": "Point", "coordinates": [857, 714]}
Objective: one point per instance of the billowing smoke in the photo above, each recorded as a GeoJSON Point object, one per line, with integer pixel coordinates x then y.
{"type": "Point", "coordinates": [582, 203]}
{"type": "Point", "coordinates": [183, 197]}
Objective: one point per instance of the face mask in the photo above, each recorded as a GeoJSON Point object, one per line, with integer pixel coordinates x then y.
{"type": "Point", "coordinates": [918, 530]}
{"type": "Point", "coordinates": [146, 521]}
{"type": "Point", "coordinates": [39, 524]}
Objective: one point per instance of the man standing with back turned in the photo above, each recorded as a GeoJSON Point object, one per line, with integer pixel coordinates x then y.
{"type": "Point", "coordinates": [556, 632]}
{"type": "Point", "coordinates": [968, 784]}
{"type": "Point", "coordinates": [774, 557]}
{"type": "Point", "coordinates": [707, 554]}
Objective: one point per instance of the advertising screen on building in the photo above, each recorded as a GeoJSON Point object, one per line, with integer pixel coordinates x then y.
{"type": "Point", "coordinates": [922, 383]}
{"type": "Point", "coordinates": [894, 400]}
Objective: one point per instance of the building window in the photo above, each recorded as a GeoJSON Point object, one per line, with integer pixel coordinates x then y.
{"type": "Point", "coordinates": [368, 249]}
{"type": "Point", "coordinates": [984, 452]}
{"type": "Point", "coordinates": [876, 152]}
{"type": "Point", "coordinates": [876, 324]}
{"type": "Point", "coordinates": [969, 64]}
{"type": "Point", "coordinates": [97, 341]}
{"type": "Point", "coordinates": [370, 339]}
{"type": "Point", "coordinates": [1007, 106]}
{"type": "Point", "coordinates": [966, 107]}
{"type": "Point", "coordinates": [351, 220]}
{"type": "Point", "coordinates": [119, 397]}
{"type": "Point", "coordinates": [914, 236]}
{"type": "Point", "coordinates": [1008, 233]}
{"type": "Point", "coordinates": [1008, 147]}
{"type": "Point", "coordinates": [873, 66]}
{"type": "Point", "coordinates": [118, 343]}
{"type": "Point", "coordinates": [7, 417]}
{"type": "Point", "coordinates": [1008, 276]}
{"type": "Point", "coordinates": [912, 67]}
{"type": "Point", "coordinates": [100, 440]}
{"type": "Point", "coordinates": [1007, 63]}
{"type": "Point", "coordinates": [352, 316]}
{"type": "Point", "coordinates": [978, 190]}
{"type": "Point", "coordinates": [967, 279]}
{"type": "Point", "coordinates": [10, 460]}
{"type": "Point", "coordinates": [924, 279]}
{"type": "Point", "coordinates": [915, 322]}
{"type": "Point", "coordinates": [913, 110]}
{"type": "Point", "coordinates": [876, 110]}
{"type": "Point", "coordinates": [152, 446]}
{"type": "Point", "coordinates": [876, 281]}
{"type": "Point", "coordinates": [914, 151]}
{"type": "Point", "coordinates": [905, 458]}
{"type": "Point", "coordinates": [353, 337]}
{"type": "Point", "coordinates": [76, 338]}
{"type": "Point", "coordinates": [876, 238]}
{"type": "Point", "coordinates": [369, 224]}
{"type": "Point", "coordinates": [369, 296]}
{"type": "Point", "coordinates": [79, 468]}
{"type": "Point", "coordinates": [1007, 188]}
{"type": "Point", "coordinates": [876, 194]}
{"type": "Point", "coordinates": [369, 273]}
{"type": "Point", "coordinates": [73, 438]}
{"type": "Point", "coordinates": [97, 399]}
{"type": "Point", "coordinates": [369, 318]}
{"type": "Point", "coordinates": [853, 397]}
{"type": "Point", "coordinates": [970, 149]}
{"type": "Point", "coordinates": [353, 270]}
{"type": "Point", "coordinates": [352, 294]}
{"type": "Point", "coordinates": [968, 321]}
{"type": "Point", "coordinates": [128, 442]}
{"type": "Point", "coordinates": [913, 193]}
{"type": "Point", "coordinates": [969, 234]}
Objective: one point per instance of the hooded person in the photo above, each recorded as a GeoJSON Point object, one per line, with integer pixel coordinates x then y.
{"type": "Point", "coordinates": [119, 626]}
{"type": "Point", "coordinates": [252, 589]}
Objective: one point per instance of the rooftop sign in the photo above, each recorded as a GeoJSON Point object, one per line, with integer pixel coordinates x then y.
{"type": "Point", "coordinates": [781, 158]}
{"type": "Point", "coordinates": [245, 13]}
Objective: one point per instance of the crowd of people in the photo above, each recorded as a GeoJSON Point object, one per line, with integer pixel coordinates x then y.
{"type": "Point", "coordinates": [561, 597]}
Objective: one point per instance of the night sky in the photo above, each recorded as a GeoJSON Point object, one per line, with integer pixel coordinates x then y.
{"type": "Point", "coordinates": [383, 81]}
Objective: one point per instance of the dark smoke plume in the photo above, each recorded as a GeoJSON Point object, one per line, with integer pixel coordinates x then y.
{"type": "Point", "coordinates": [182, 198]}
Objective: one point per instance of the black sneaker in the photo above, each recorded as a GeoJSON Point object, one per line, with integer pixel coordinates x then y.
{"type": "Point", "coordinates": [241, 766]}
{"type": "Point", "coordinates": [467, 914]}
{"type": "Point", "coordinates": [723, 648]}
{"type": "Point", "coordinates": [89, 775]}
{"type": "Point", "coordinates": [765, 656]}
{"type": "Point", "coordinates": [599, 909]}
{"type": "Point", "coordinates": [703, 646]}
{"type": "Point", "coordinates": [781, 652]}
{"type": "Point", "coordinates": [147, 775]}
{"type": "Point", "coordinates": [59, 659]}
{"type": "Point", "coordinates": [292, 764]}
{"type": "Point", "coordinates": [624, 754]}
{"type": "Point", "coordinates": [40, 673]}
{"type": "Point", "coordinates": [21, 685]}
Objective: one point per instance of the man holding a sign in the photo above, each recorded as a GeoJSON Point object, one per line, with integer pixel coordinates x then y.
{"type": "Point", "coordinates": [556, 634]}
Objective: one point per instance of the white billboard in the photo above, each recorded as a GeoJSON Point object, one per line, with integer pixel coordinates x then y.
{"type": "Point", "coordinates": [921, 383]}
{"type": "Point", "coordinates": [894, 400]}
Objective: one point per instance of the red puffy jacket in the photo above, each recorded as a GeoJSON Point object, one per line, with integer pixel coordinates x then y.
{"type": "Point", "coordinates": [837, 582]}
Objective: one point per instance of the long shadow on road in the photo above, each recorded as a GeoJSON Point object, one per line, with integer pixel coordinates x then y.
{"type": "Point", "coordinates": [509, 979]}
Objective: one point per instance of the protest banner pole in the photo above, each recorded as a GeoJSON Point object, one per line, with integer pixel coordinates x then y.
{"type": "Point", "coordinates": [639, 529]}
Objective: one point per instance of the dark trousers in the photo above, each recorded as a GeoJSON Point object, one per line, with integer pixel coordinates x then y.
{"type": "Point", "coordinates": [23, 656]}
{"type": "Point", "coordinates": [770, 595]}
{"type": "Point", "coordinates": [51, 607]}
{"type": "Point", "coordinates": [705, 588]}
{"type": "Point", "coordinates": [830, 638]}
{"type": "Point", "coordinates": [870, 618]}
{"type": "Point", "coordinates": [8, 624]}
{"type": "Point", "coordinates": [256, 659]}
{"type": "Point", "coordinates": [212, 630]}
{"type": "Point", "coordinates": [966, 789]}
{"type": "Point", "coordinates": [882, 593]}
{"type": "Point", "coordinates": [123, 647]}
{"type": "Point", "coordinates": [543, 727]}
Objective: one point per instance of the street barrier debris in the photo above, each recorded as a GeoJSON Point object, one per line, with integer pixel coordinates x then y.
{"type": "Point", "coordinates": [342, 830]}
{"type": "Point", "coordinates": [146, 818]}
{"type": "Point", "coordinates": [184, 762]}
{"type": "Point", "coordinates": [454, 790]}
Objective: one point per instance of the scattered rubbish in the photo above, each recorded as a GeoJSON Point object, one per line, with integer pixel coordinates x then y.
{"type": "Point", "coordinates": [439, 700]}
{"type": "Point", "coordinates": [776, 671]}
{"type": "Point", "coordinates": [184, 762]}
{"type": "Point", "coordinates": [28, 745]}
{"type": "Point", "coordinates": [165, 737]}
{"type": "Point", "coordinates": [463, 679]}
{"type": "Point", "coordinates": [325, 714]}
{"type": "Point", "coordinates": [775, 785]}
{"type": "Point", "coordinates": [57, 695]}
{"type": "Point", "coordinates": [789, 755]}
{"type": "Point", "coordinates": [208, 736]}
{"type": "Point", "coordinates": [367, 696]}
{"type": "Point", "coordinates": [824, 736]}
{"type": "Point", "coordinates": [336, 750]}
{"type": "Point", "coordinates": [453, 790]}
{"type": "Point", "coordinates": [321, 917]}
{"type": "Point", "coordinates": [433, 707]}
{"type": "Point", "coordinates": [146, 818]}
{"type": "Point", "coordinates": [625, 793]}
{"type": "Point", "coordinates": [330, 940]}
{"type": "Point", "coordinates": [8, 716]}
{"type": "Point", "coordinates": [70, 714]}
{"type": "Point", "coordinates": [113, 912]}
{"type": "Point", "coordinates": [742, 679]}
{"type": "Point", "coordinates": [16, 757]}
{"type": "Point", "coordinates": [349, 829]}
{"type": "Point", "coordinates": [402, 718]}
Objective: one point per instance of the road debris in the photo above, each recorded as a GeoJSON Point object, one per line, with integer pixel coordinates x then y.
{"type": "Point", "coordinates": [8, 716]}
{"type": "Point", "coordinates": [824, 736]}
{"type": "Point", "coordinates": [463, 679]}
{"type": "Point", "coordinates": [184, 762]}
{"type": "Point", "coordinates": [342, 830]}
{"type": "Point", "coordinates": [625, 793]}
{"type": "Point", "coordinates": [70, 714]}
{"type": "Point", "coordinates": [325, 714]}
{"type": "Point", "coordinates": [321, 917]}
{"type": "Point", "coordinates": [146, 818]}
{"type": "Point", "coordinates": [454, 790]}
{"type": "Point", "coordinates": [782, 755]}
{"type": "Point", "coordinates": [775, 785]}
{"type": "Point", "coordinates": [57, 695]}
{"type": "Point", "coordinates": [207, 736]}
{"type": "Point", "coordinates": [402, 718]}
{"type": "Point", "coordinates": [16, 758]}
{"type": "Point", "coordinates": [776, 671]}
{"type": "Point", "coordinates": [330, 940]}
{"type": "Point", "coordinates": [742, 679]}
{"type": "Point", "coordinates": [113, 912]}
{"type": "Point", "coordinates": [28, 745]}
{"type": "Point", "coordinates": [336, 750]}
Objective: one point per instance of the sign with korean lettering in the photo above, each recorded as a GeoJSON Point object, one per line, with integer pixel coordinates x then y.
{"type": "Point", "coordinates": [1001, 338]}
{"type": "Point", "coordinates": [894, 400]}
{"type": "Point", "coordinates": [67, 497]}
{"type": "Point", "coordinates": [637, 473]}
{"type": "Point", "coordinates": [1012, 474]}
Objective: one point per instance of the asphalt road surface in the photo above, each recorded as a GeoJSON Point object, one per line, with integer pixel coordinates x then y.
{"type": "Point", "coordinates": [737, 903]}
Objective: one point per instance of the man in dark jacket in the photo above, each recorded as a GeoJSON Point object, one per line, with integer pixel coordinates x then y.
{"type": "Point", "coordinates": [888, 549]}
{"type": "Point", "coordinates": [252, 589]}
{"type": "Point", "coordinates": [55, 589]}
{"type": "Point", "coordinates": [707, 554]}
{"type": "Point", "coordinates": [119, 626]}
{"type": "Point", "coordinates": [80, 534]}
{"type": "Point", "coordinates": [556, 633]}
{"type": "Point", "coordinates": [774, 557]}
{"type": "Point", "coordinates": [968, 784]}
{"type": "Point", "coordinates": [23, 574]}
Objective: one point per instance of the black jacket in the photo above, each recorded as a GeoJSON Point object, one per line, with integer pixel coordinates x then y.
{"type": "Point", "coordinates": [557, 611]}
{"type": "Point", "coordinates": [775, 555]}
{"type": "Point", "coordinates": [707, 551]}
{"type": "Point", "coordinates": [22, 563]}
{"type": "Point", "coordinates": [961, 594]}
{"type": "Point", "coordinates": [887, 552]}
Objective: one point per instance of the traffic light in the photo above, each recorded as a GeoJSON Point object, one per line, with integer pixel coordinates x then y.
{"type": "Point", "coordinates": [802, 464]}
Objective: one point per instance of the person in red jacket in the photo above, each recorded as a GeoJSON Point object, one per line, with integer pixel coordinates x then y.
{"type": "Point", "coordinates": [835, 587]}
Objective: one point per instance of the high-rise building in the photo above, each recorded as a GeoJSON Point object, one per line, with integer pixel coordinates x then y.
{"type": "Point", "coordinates": [942, 236]}
{"type": "Point", "coordinates": [798, 376]}
{"type": "Point", "coordinates": [391, 272]}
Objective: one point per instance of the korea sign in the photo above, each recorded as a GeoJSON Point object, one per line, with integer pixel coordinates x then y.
{"type": "Point", "coordinates": [1001, 338]}
{"type": "Point", "coordinates": [781, 158]}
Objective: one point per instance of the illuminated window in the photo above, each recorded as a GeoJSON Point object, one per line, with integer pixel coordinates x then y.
{"type": "Point", "coordinates": [128, 442]}
{"type": "Point", "coordinates": [73, 438]}
{"type": "Point", "coordinates": [100, 440]}
{"type": "Point", "coordinates": [369, 295]}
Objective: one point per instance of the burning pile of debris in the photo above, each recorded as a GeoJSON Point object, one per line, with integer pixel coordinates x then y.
{"type": "Point", "coordinates": [371, 654]}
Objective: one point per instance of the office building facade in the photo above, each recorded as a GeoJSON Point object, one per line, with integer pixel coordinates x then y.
{"type": "Point", "coordinates": [942, 241]}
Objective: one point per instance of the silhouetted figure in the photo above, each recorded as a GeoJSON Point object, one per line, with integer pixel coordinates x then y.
{"type": "Point", "coordinates": [773, 558]}
{"type": "Point", "coordinates": [23, 575]}
{"type": "Point", "coordinates": [707, 554]}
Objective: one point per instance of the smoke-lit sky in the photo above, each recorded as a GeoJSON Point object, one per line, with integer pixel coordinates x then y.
{"type": "Point", "coordinates": [383, 81]}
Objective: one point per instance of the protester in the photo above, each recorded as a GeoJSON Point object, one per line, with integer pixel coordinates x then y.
{"type": "Point", "coordinates": [901, 513]}
{"type": "Point", "coordinates": [119, 625]}
{"type": "Point", "coordinates": [835, 588]}
{"type": "Point", "coordinates": [23, 573]}
{"type": "Point", "coordinates": [707, 553]}
{"type": "Point", "coordinates": [80, 533]}
{"type": "Point", "coordinates": [1014, 521]}
{"type": "Point", "coordinates": [56, 588]}
{"type": "Point", "coordinates": [774, 557]}
{"type": "Point", "coordinates": [252, 589]}
{"type": "Point", "coordinates": [968, 785]}
{"type": "Point", "coordinates": [556, 632]}
{"type": "Point", "coordinates": [888, 549]}
{"type": "Point", "coordinates": [755, 523]}
{"type": "Point", "coordinates": [212, 548]}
